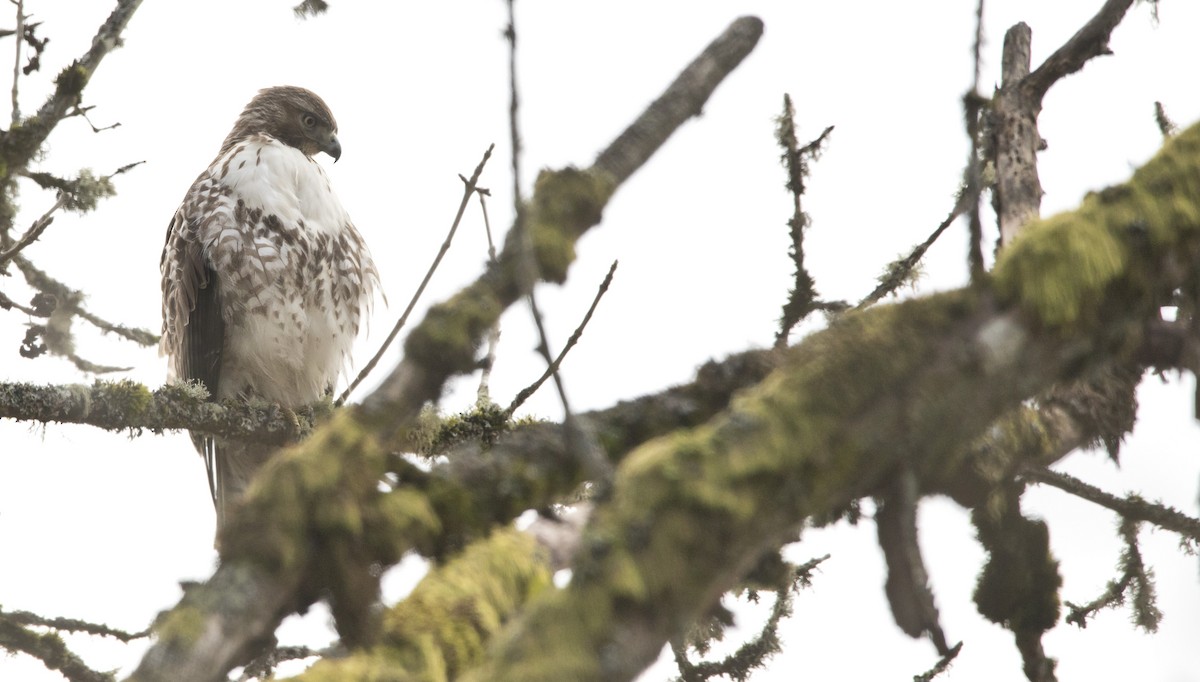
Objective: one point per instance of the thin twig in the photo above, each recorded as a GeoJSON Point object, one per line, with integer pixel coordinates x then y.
{"type": "Point", "coordinates": [468, 191]}
{"type": "Point", "coordinates": [754, 653]}
{"type": "Point", "coordinates": [66, 296]}
{"type": "Point", "coordinates": [1135, 579]}
{"type": "Point", "coordinates": [528, 266]}
{"type": "Point", "coordinates": [1165, 125]}
{"type": "Point", "coordinates": [1088, 42]}
{"type": "Point", "coordinates": [35, 230]}
{"type": "Point", "coordinates": [19, 37]}
{"type": "Point", "coordinates": [973, 104]}
{"type": "Point", "coordinates": [942, 665]}
{"type": "Point", "coordinates": [7, 303]}
{"type": "Point", "coordinates": [73, 625]}
{"type": "Point", "coordinates": [482, 396]}
{"type": "Point", "coordinates": [803, 294]}
{"type": "Point", "coordinates": [553, 367]}
{"type": "Point", "coordinates": [50, 649]}
{"type": "Point", "coordinates": [898, 271]}
{"type": "Point", "coordinates": [1132, 507]}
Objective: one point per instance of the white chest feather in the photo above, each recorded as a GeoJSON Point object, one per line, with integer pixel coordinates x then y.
{"type": "Point", "coordinates": [294, 274]}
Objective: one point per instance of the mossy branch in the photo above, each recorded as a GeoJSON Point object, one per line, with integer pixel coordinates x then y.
{"type": "Point", "coordinates": [689, 512]}
{"type": "Point", "coordinates": [50, 649]}
{"type": "Point", "coordinates": [130, 406]}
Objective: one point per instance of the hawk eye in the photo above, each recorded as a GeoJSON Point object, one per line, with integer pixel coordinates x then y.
{"type": "Point", "coordinates": [308, 120]}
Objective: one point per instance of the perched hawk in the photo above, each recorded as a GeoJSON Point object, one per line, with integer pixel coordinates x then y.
{"type": "Point", "coordinates": [264, 277]}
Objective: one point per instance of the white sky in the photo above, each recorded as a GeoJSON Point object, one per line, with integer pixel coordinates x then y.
{"type": "Point", "coordinates": [102, 527]}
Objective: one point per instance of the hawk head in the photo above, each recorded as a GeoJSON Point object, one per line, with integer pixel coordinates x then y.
{"type": "Point", "coordinates": [294, 116]}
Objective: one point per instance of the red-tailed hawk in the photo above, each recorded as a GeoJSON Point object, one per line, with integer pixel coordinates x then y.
{"type": "Point", "coordinates": [264, 277]}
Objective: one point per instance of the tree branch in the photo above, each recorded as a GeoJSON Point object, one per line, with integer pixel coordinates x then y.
{"type": "Point", "coordinates": [920, 379]}
{"type": "Point", "coordinates": [565, 205]}
{"type": "Point", "coordinates": [22, 142]}
{"type": "Point", "coordinates": [1133, 507]}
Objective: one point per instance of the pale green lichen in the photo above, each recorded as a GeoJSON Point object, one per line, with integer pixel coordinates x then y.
{"type": "Point", "coordinates": [445, 625]}
{"type": "Point", "coordinates": [565, 204]}
{"type": "Point", "coordinates": [1061, 267]}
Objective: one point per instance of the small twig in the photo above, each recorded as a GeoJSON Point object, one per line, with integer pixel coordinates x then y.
{"type": "Point", "coordinates": [82, 112]}
{"type": "Point", "coordinates": [35, 230]}
{"type": "Point", "coordinates": [972, 107]}
{"type": "Point", "coordinates": [1133, 507]}
{"type": "Point", "coordinates": [754, 653]}
{"type": "Point", "coordinates": [899, 271]}
{"type": "Point", "coordinates": [1088, 42]}
{"type": "Point", "coordinates": [468, 191]}
{"type": "Point", "coordinates": [71, 298]}
{"type": "Point", "coordinates": [138, 336]}
{"type": "Point", "coordinates": [1165, 125]}
{"type": "Point", "coordinates": [942, 665]}
{"type": "Point", "coordinates": [263, 666]}
{"type": "Point", "coordinates": [7, 303]}
{"type": "Point", "coordinates": [50, 649]}
{"type": "Point", "coordinates": [73, 625]}
{"type": "Point", "coordinates": [1135, 578]}
{"type": "Point", "coordinates": [483, 396]}
{"type": "Point", "coordinates": [528, 266]}
{"type": "Point", "coordinates": [20, 40]}
{"type": "Point", "coordinates": [553, 367]}
{"type": "Point", "coordinates": [803, 294]}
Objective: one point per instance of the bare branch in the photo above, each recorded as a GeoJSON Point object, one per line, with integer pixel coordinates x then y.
{"type": "Point", "coordinates": [35, 230]}
{"type": "Point", "coordinates": [553, 367]}
{"type": "Point", "coordinates": [1133, 507]}
{"type": "Point", "coordinates": [19, 38]}
{"type": "Point", "coordinates": [493, 338]}
{"type": "Point", "coordinates": [1088, 42]}
{"type": "Point", "coordinates": [900, 271]}
{"type": "Point", "coordinates": [802, 299]}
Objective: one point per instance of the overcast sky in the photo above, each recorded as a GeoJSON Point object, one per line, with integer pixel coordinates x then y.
{"type": "Point", "coordinates": [102, 527]}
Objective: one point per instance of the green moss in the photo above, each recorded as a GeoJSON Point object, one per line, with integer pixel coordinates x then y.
{"type": "Point", "coordinates": [565, 204]}
{"type": "Point", "coordinates": [72, 79]}
{"type": "Point", "coordinates": [435, 433]}
{"type": "Point", "coordinates": [1019, 584]}
{"type": "Point", "coordinates": [182, 626]}
{"type": "Point", "coordinates": [447, 338]}
{"type": "Point", "coordinates": [445, 625]}
{"type": "Point", "coordinates": [1060, 268]}
{"type": "Point", "coordinates": [125, 396]}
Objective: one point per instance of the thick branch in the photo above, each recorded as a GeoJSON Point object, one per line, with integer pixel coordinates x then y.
{"type": "Point", "coordinates": [921, 380]}
{"type": "Point", "coordinates": [1018, 103]}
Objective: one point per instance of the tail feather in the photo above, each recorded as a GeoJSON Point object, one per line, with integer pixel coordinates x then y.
{"type": "Point", "coordinates": [231, 465]}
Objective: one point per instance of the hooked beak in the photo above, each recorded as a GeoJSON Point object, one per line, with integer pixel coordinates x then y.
{"type": "Point", "coordinates": [333, 148]}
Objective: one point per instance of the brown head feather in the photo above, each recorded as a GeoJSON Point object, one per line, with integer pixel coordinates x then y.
{"type": "Point", "coordinates": [294, 116]}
